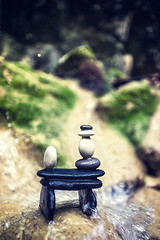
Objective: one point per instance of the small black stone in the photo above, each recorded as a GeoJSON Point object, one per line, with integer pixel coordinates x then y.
{"type": "Point", "coordinates": [86, 127]}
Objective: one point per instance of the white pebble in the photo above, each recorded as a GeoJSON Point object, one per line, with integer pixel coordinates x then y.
{"type": "Point", "coordinates": [86, 147]}
{"type": "Point", "coordinates": [86, 133]}
{"type": "Point", "coordinates": [50, 157]}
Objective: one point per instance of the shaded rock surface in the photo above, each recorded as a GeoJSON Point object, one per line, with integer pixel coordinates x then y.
{"type": "Point", "coordinates": [69, 64]}
{"type": "Point", "coordinates": [81, 62]}
{"type": "Point", "coordinates": [149, 151]}
{"type": "Point", "coordinates": [150, 197]}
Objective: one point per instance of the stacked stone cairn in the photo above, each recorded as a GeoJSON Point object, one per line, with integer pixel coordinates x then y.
{"type": "Point", "coordinates": [87, 198]}
{"type": "Point", "coordinates": [86, 149]}
{"type": "Point", "coordinates": [83, 179]}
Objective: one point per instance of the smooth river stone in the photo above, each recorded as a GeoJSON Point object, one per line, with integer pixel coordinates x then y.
{"type": "Point", "coordinates": [86, 133]}
{"type": "Point", "coordinates": [50, 157]}
{"type": "Point", "coordinates": [86, 147]}
{"type": "Point", "coordinates": [89, 163]}
{"type": "Point", "coordinates": [86, 127]}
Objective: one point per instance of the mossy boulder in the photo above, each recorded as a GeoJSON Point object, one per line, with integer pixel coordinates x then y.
{"type": "Point", "coordinates": [35, 104]}
{"type": "Point", "coordinates": [69, 64]}
{"type": "Point", "coordinates": [129, 110]}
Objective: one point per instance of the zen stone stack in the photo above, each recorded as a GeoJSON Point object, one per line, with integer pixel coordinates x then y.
{"type": "Point", "coordinates": [86, 149]}
{"type": "Point", "coordinates": [83, 179]}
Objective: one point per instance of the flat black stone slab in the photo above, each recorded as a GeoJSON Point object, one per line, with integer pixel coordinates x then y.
{"type": "Point", "coordinates": [61, 173]}
{"type": "Point", "coordinates": [71, 184]}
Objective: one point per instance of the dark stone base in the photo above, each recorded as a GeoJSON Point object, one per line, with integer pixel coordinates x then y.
{"type": "Point", "coordinates": [87, 201]}
{"type": "Point", "coordinates": [47, 203]}
{"type": "Point", "coordinates": [61, 173]}
{"type": "Point", "coordinates": [69, 179]}
{"type": "Point", "coordinates": [71, 184]}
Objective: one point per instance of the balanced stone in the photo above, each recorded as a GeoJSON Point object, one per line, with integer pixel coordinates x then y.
{"type": "Point", "coordinates": [86, 133]}
{"type": "Point", "coordinates": [50, 157]}
{"type": "Point", "coordinates": [86, 127]}
{"type": "Point", "coordinates": [71, 184]}
{"type": "Point", "coordinates": [83, 179]}
{"type": "Point", "coordinates": [89, 163]}
{"type": "Point", "coordinates": [72, 173]}
{"type": "Point", "coordinates": [86, 147]}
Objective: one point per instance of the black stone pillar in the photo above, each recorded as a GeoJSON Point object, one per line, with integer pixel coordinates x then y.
{"type": "Point", "coordinates": [47, 202]}
{"type": "Point", "coordinates": [88, 202]}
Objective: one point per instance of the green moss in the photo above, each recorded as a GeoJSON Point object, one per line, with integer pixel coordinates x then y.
{"type": "Point", "coordinates": [20, 112]}
{"type": "Point", "coordinates": [37, 105]}
{"type": "Point", "coordinates": [114, 73]}
{"type": "Point", "coordinates": [65, 96]}
{"type": "Point", "coordinates": [130, 109]}
{"type": "Point", "coordinates": [44, 80]}
{"type": "Point", "coordinates": [26, 87]}
{"type": "Point", "coordinates": [69, 64]}
{"type": "Point", "coordinates": [83, 51]}
{"type": "Point", "coordinates": [24, 67]}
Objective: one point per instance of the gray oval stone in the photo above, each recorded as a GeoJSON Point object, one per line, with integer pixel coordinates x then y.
{"type": "Point", "coordinates": [88, 163]}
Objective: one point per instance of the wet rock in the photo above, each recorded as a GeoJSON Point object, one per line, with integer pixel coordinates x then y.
{"type": "Point", "coordinates": [149, 151]}
{"type": "Point", "coordinates": [69, 223]}
{"type": "Point", "coordinates": [148, 197]}
{"type": "Point", "coordinates": [21, 219]}
{"type": "Point", "coordinates": [152, 182]}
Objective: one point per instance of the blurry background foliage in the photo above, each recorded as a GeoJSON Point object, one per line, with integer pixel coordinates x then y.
{"type": "Point", "coordinates": [131, 26]}
{"type": "Point", "coordinates": [35, 104]}
{"type": "Point", "coordinates": [84, 39]}
{"type": "Point", "coordinates": [129, 110]}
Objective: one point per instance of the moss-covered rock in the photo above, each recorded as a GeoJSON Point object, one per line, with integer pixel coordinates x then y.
{"type": "Point", "coordinates": [129, 110]}
{"type": "Point", "coordinates": [69, 64]}
{"type": "Point", "coordinates": [34, 103]}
